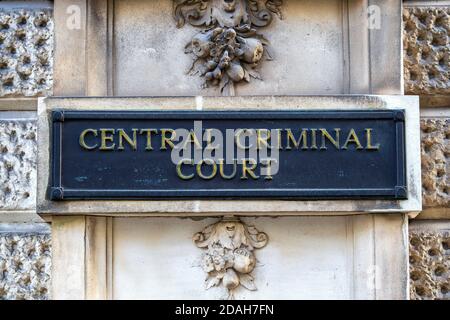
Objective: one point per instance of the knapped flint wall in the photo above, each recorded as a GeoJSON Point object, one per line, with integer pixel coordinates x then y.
{"type": "Point", "coordinates": [26, 53]}
{"type": "Point", "coordinates": [25, 263]}
{"type": "Point", "coordinates": [426, 50]}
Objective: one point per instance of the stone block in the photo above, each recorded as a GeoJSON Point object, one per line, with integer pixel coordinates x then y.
{"type": "Point", "coordinates": [426, 50]}
{"type": "Point", "coordinates": [429, 259]}
{"type": "Point", "coordinates": [219, 207]}
{"type": "Point", "coordinates": [25, 262]}
{"type": "Point", "coordinates": [435, 161]}
{"type": "Point", "coordinates": [26, 52]}
{"type": "Point", "coordinates": [17, 164]}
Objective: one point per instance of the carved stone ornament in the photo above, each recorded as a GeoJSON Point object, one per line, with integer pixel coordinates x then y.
{"type": "Point", "coordinates": [229, 258]}
{"type": "Point", "coordinates": [228, 50]}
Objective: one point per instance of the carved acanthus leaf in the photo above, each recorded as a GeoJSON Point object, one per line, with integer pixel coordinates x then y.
{"type": "Point", "coordinates": [258, 13]}
{"type": "Point", "coordinates": [261, 11]}
{"type": "Point", "coordinates": [192, 11]}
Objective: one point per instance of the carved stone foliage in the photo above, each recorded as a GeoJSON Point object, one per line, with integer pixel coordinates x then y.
{"type": "Point", "coordinates": [25, 263]}
{"type": "Point", "coordinates": [229, 258]}
{"type": "Point", "coordinates": [229, 49]}
{"type": "Point", "coordinates": [26, 52]}
{"type": "Point", "coordinates": [430, 265]}
{"type": "Point", "coordinates": [436, 162]}
{"type": "Point", "coordinates": [426, 50]}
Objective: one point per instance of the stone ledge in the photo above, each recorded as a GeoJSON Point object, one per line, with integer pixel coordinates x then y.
{"type": "Point", "coordinates": [18, 104]}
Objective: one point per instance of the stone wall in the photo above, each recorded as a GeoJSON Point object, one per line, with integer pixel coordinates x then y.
{"type": "Point", "coordinates": [26, 52]}
{"type": "Point", "coordinates": [426, 45]}
{"type": "Point", "coordinates": [26, 72]}
{"type": "Point", "coordinates": [25, 263]}
{"type": "Point", "coordinates": [17, 164]}
{"type": "Point", "coordinates": [426, 73]}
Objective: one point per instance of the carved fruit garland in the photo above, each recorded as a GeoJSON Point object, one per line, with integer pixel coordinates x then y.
{"type": "Point", "coordinates": [229, 50]}
{"type": "Point", "coordinates": [229, 258]}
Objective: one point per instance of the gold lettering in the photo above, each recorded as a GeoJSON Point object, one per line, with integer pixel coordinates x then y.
{"type": "Point", "coordinates": [222, 170]}
{"type": "Point", "coordinates": [107, 135]}
{"type": "Point", "coordinates": [334, 141]}
{"type": "Point", "coordinates": [208, 162]}
{"type": "Point", "coordinates": [180, 174]}
{"type": "Point", "coordinates": [165, 140]}
{"type": "Point", "coordinates": [369, 140]}
{"type": "Point", "coordinates": [352, 138]}
{"type": "Point", "coordinates": [131, 141]}
{"type": "Point", "coordinates": [263, 138]}
{"type": "Point", "coordinates": [279, 139]}
{"type": "Point", "coordinates": [149, 137]}
{"type": "Point", "coordinates": [192, 138]}
{"type": "Point", "coordinates": [267, 163]}
{"type": "Point", "coordinates": [246, 169]}
{"type": "Point", "coordinates": [314, 139]}
{"type": "Point", "coordinates": [238, 140]}
{"type": "Point", "coordinates": [209, 142]}
{"type": "Point", "coordinates": [83, 142]}
{"type": "Point", "coordinates": [303, 137]}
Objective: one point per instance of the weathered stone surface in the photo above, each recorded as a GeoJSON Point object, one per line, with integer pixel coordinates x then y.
{"type": "Point", "coordinates": [25, 263]}
{"type": "Point", "coordinates": [429, 265]}
{"type": "Point", "coordinates": [26, 52]}
{"type": "Point", "coordinates": [435, 162]}
{"type": "Point", "coordinates": [426, 50]}
{"type": "Point", "coordinates": [17, 164]}
{"type": "Point", "coordinates": [229, 258]}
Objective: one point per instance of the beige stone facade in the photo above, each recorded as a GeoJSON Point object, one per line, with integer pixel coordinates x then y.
{"type": "Point", "coordinates": [27, 63]}
{"type": "Point", "coordinates": [25, 263]}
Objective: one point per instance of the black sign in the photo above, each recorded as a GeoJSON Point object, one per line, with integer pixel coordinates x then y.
{"type": "Point", "coordinates": [228, 155]}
